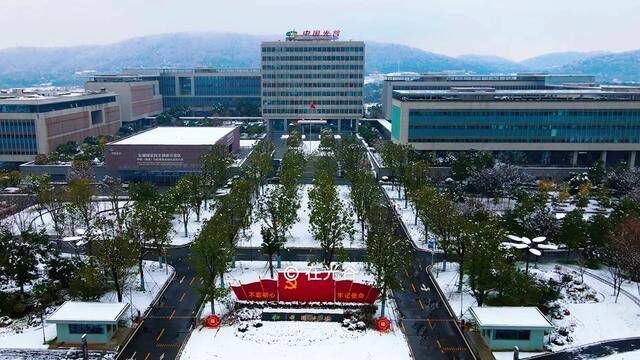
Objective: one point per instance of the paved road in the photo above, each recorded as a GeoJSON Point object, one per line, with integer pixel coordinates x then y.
{"type": "Point", "coordinates": [595, 351]}
{"type": "Point", "coordinates": [168, 323]}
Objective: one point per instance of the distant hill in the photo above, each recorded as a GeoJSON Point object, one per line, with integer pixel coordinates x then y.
{"type": "Point", "coordinates": [619, 67]}
{"type": "Point", "coordinates": [62, 66]}
{"type": "Point", "coordinates": [558, 60]}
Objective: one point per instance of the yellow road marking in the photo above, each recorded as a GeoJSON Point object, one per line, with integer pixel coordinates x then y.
{"type": "Point", "coordinates": [160, 335]}
{"type": "Point", "coordinates": [148, 356]}
{"type": "Point", "coordinates": [413, 287]}
{"type": "Point", "coordinates": [421, 305]}
{"type": "Point", "coordinates": [192, 280]}
{"type": "Point", "coordinates": [439, 346]}
{"type": "Point", "coordinates": [172, 313]}
{"type": "Point", "coordinates": [182, 297]}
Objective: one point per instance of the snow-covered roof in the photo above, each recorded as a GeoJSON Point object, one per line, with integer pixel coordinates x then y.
{"type": "Point", "coordinates": [176, 135]}
{"type": "Point", "coordinates": [528, 317]}
{"type": "Point", "coordinates": [88, 312]}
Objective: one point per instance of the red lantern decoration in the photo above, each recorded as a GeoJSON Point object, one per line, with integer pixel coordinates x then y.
{"type": "Point", "coordinates": [212, 321]}
{"type": "Point", "coordinates": [383, 324]}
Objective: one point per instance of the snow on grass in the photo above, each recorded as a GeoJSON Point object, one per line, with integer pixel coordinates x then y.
{"type": "Point", "coordinates": [589, 320]}
{"type": "Point", "coordinates": [597, 321]}
{"type": "Point", "coordinates": [408, 216]}
{"type": "Point", "coordinates": [299, 236]}
{"type": "Point", "coordinates": [288, 340]}
{"type": "Point", "coordinates": [31, 216]}
{"type": "Point", "coordinates": [22, 336]}
{"type": "Point", "coordinates": [448, 282]}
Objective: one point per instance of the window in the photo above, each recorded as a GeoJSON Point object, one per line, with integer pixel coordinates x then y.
{"type": "Point", "coordinates": [96, 117]}
{"type": "Point", "coordinates": [511, 334]}
{"type": "Point", "coordinates": [185, 86]}
{"type": "Point", "coordinates": [85, 329]}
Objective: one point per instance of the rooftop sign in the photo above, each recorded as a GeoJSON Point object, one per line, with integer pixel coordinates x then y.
{"type": "Point", "coordinates": [309, 35]}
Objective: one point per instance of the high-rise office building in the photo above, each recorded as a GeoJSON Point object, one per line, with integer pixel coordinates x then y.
{"type": "Point", "coordinates": [34, 123]}
{"type": "Point", "coordinates": [312, 78]}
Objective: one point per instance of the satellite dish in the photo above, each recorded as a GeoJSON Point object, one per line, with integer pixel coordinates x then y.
{"type": "Point", "coordinates": [548, 247]}
{"type": "Point", "coordinates": [539, 239]}
{"type": "Point", "coordinates": [513, 237]}
{"type": "Point", "coordinates": [535, 252]}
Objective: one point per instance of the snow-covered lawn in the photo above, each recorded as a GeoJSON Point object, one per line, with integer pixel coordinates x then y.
{"type": "Point", "coordinates": [591, 318]}
{"type": "Point", "coordinates": [288, 340]}
{"type": "Point", "coordinates": [408, 216]}
{"type": "Point", "coordinates": [31, 216]}
{"type": "Point", "coordinates": [300, 233]}
{"type": "Point", "coordinates": [21, 336]}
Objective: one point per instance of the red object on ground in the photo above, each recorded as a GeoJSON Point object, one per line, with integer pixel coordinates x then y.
{"type": "Point", "coordinates": [212, 321]}
{"type": "Point", "coordinates": [306, 287]}
{"type": "Point", "coordinates": [383, 324]}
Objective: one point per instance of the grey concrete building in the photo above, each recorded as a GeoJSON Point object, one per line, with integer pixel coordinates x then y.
{"type": "Point", "coordinates": [34, 122]}
{"type": "Point", "coordinates": [312, 78]}
{"type": "Point", "coordinates": [139, 97]}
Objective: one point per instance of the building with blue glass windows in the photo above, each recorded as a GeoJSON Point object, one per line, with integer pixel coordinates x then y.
{"type": "Point", "coordinates": [440, 81]}
{"type": "Point", "coordinates": [207, 91]}
{"type": "Point", "coordinates": [314, 80]}
{"type": "Point", "coordinates": [557, 127]}
{"type": "Point", "coordinates": [33, 123]}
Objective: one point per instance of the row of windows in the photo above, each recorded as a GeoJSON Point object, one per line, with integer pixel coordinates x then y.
{"type": "Point", "coordinates": [313, 49]}
{"type": "Point", "coordinates": [318, 102]}
{"type": "Point", "coordinates": [60, 105]}
{"type": "Point", "coordinates": [311, 93]}
{"type": "Point", "coordinates": [346, 125]}
{"type": "Point", "coordinates": [18, 144]}
{"type": "Point", "coordinates": [576, 140]}
{"type": "Point", "coordinates": [311, 85]}
{"type": "Point", "coordinates": [314, 67]}
{"type": "Point", "coordinates": [21, 127]}
{"type": "Point", "coordinates": [313, 76]}
{"type": "Point", "coordinates": [527, 126]}
{"type": "Point", "coordinates": [167, 85]}
{"type": "Point", "coordinates": [86, 329]}
{"type": "Point", "coordinates": [209, 101]}
{"type": "Point", "coordinates": [227, 85]}
{"type": "Point", "coordinates": [313, 111]}
{"type": "Point", "coordinates": [313, 58]}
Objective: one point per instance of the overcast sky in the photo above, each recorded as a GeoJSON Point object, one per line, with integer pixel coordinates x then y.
{"type": "Point", "coordinates": [514, 29]}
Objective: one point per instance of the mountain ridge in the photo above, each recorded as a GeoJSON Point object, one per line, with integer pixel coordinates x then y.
{"type": "Point", "coordinates": [64, 66]}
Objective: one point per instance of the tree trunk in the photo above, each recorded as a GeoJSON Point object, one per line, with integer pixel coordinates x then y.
{"type": "Point", "coordinates": [116, 284]}
{"type": "Point", "coordinates": [185, 221]}
{"type": "Point", "coordinates": [383, 302]}
{"type": "Point", "coordinates": [271, 265]}
{"type": "Point", "coordinates": [141, 270]}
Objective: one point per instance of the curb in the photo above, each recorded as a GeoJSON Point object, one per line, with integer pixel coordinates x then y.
{"type": "Point", "coordinates": [146, 312]}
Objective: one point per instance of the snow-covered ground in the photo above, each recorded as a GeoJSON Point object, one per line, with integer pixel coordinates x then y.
{"type": "Point", "coordinates": [590, 319]}
{"type": "Point", "coordinates": [19, 336]}
{"type": "Point", "coordinates": [415, 228]}
{"type": "Point", "coordinates": [300, 233]}
{"type": "Point", "coordinates": [631, 355]}
{"type": "Point", "coordinates": [31, 216]}
{"type": "Point", "coordinates": [287, 340]}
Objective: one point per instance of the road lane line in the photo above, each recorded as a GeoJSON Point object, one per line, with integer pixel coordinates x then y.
{"type": "Point", "coordinates": [413, 287]}
{"type": "Point", "coordinates": [192, 280]}
{"type": "Point", "coordinates": [181, 280]}
{"type": "Point", "coordinates": [160, 335]}
{"type": "Point", "coordinates": [148, 356]}
{"type": "Point", "coordinates": [421, 305]}
{"type": "Point", "coordinates": [172, 313]}
{"type": "Point", "coordinates": [440, 346]}
{"type": "Point", "coordinates": [182, 297]}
